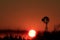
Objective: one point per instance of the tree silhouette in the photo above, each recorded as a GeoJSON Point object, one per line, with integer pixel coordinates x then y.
{"type": "Point", "coordinates": [56, 27]}
{"type": "Point", "coordinates": [45, 20]}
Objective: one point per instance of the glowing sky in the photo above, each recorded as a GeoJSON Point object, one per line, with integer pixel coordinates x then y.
{"type": "Point", "coordinates": [23, 14]}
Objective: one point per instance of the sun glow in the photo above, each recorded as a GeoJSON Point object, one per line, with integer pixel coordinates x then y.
{"type": "Point", "coordinates": [32, 33]}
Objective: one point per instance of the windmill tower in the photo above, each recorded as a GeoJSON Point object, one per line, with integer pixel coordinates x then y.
{"type": "Point", "coordinates": [46, 20]}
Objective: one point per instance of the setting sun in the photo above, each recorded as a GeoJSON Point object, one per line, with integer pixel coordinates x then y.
{"type": "Point", "coordinates": [32, 33]}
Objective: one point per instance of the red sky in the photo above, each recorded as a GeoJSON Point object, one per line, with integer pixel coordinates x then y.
{"type": "Point", "coordinates": [24, 14]}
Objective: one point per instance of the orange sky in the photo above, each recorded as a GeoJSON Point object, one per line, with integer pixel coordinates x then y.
{"type": "Point", "coordinates": [24, 14]}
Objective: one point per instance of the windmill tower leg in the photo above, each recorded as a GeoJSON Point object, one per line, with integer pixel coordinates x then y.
{"type": "Point", "coordinates": [46, 28]}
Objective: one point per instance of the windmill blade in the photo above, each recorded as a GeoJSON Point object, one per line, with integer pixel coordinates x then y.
{"type": "Point", "coordinates": [45, 19]}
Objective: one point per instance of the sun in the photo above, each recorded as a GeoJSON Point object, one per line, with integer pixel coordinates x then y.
{"type": "Point", "coordinates": [32, 33]}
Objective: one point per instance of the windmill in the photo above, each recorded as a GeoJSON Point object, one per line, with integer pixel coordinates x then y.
{"type": "Point", "coordinates": [46, 20]}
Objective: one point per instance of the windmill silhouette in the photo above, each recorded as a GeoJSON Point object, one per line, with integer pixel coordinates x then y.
{"type": "Point", "coordinates": [46, 20]}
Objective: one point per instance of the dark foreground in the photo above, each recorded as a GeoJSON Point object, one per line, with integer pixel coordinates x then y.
{"type": "Point", "coordinates": [39, 36]}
